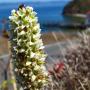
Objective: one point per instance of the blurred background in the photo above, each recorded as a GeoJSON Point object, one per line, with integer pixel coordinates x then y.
{"type": "Point", "coordinates": [49, 12]}
{"type": "Point", "coordinates": [60, 21]}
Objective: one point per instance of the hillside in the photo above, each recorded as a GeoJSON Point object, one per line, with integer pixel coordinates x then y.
{"type": "Point", "coordinates": [77, 6]}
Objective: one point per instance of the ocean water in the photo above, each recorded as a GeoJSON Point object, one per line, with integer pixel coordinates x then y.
{"type": "Point", "coordinates": [47, 12]}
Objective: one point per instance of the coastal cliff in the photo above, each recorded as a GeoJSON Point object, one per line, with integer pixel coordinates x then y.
{"type": "Point", "coordinates": [77, 6]}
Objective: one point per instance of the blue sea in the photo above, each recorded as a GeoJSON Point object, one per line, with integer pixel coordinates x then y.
{"type": "Point", "coordinates": [47, 12]}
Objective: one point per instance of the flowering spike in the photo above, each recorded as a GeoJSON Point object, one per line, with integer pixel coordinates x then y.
{"type": "Point", "coordinates": [26, 48]}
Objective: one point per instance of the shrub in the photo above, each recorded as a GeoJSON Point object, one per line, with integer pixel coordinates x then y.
{"type": "Point", "coordinates": [74, 73]}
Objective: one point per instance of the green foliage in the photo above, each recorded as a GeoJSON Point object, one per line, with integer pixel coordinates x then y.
{"type": "Point", "coordinates": [5, 83]}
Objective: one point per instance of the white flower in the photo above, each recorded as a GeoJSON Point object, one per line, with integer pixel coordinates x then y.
{"type": "Point", "coordinates": [43, 67]}
{"type": "Point", "coordinates": [30, 74]}
{"type": "Point", "coordinates": [13, 18]}
{"type": "Point", "coordinates": [39, 43]}
{"type": "Point", "coordinates": [34, 63]}
{"type": "Point", "coordinates": [36, 36]}
{"type": "Point", "coordinates": [44, 70]}
{"type": "Point", "coordinates": [25, 75]}
{"type": "Point", "coordinates": [13, 11]}
{"type": "Point", "coordinates": [29, 8]}
{"type": "Point", "coordinates": [25, 87]}
{"type": "Point", "coordinates": [45, 73]}
{"type": "Point", "coordinates": [34, 14]}
{"type": "Point", "coordinates": [15, 48]}
{"type": "Point", "coordinates": [22, 33]}
{"type": "Point", "coordinates": [22, 26]}
{"type": "Point", "coordinates": [18, 42]}
{"type": "Point", "coordinates": [21, 50]}
{"type": "Point", "coordinates": [36, 67]}
{"type": "Point", "coordinates": [32, 54]}
{"type": "Point", "coordinates": [24, 10]}
{"type": "Point", "coordinates": [28, 63]}
{"type": "Point", "coordinates": [21, 88]}
{"type": "Point", "coordinates": [27, 18]}
{"type": "Point", "coordinates": [14, 39]}
{"type": "Point", "coordinates": [42, 59]}
{"type": "Point", "coordinates": [36, 27]}
{"type": "Point", "coordinates": [29, 86]}
{"type": "Point", "coordinates": [33, 77]}
{"type": "Point", "coordinates": [40, 56]}
{"type": "Point", "coordinates": [31, 43]}
{"type": "Point", "coordinates": [42, 47]}
{"type": "Point", "coordinates": [19, 13]}
{"type": "Point", "coordinates": [44, 81]}
{"type": "Point", "coordinates": [22, 71]}
{"type": "Point", "coordinates": [18, 22]}
{"type": "Point", "coordinates": [39, 80]}
{"type": "Point", "coordinates": [16, 70]}
{"type": "Point", "coordinates": [35, 20]}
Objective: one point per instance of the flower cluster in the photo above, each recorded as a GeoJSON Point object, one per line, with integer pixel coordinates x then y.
{"type": "Point", "coordinates": [27, 49]}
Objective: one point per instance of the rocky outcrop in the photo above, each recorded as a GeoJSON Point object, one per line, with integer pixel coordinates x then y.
{"type": "Point", "coordinates": [77, 6]}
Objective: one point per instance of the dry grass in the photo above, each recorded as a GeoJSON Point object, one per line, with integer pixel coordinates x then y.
{"type": "Point", "coordinates": [48, 38]}
{"type": "Point", "coordinates": [76, 72]}
{"type": "Point", "coordinates": [3, 46]}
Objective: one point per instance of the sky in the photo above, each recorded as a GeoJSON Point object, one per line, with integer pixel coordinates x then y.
{"type": "Point", "coordinates": [11, 1]}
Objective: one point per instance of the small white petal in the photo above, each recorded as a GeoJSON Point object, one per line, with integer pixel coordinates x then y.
{"type": "Point", "coordinates": [37, 27]}
{"type": "Point", "coordinates": [27, 18]}
{"type": "Point", "coordinates": [11, 17]}
{"type": "Point", "coordinates": [22, 71]}
{"type": "Point", "coordinates": [13, 11]}
{"type": "Point", "coordinates": [43, 81]}
{"type": "Point", "coordinates": [28, 63]}
{"type": "Point", "coordinates": [29, 8]}
{"type": "Point", "coordinates": [15, 48]}
{"type": "Point", "coordinates": [33, 77]}
{"type": "Point", "coordinates": [42, 47]}
{"type": "Point", "coordinates": [43, 58]}
{"type": "Point", "coordinates": [39, 80]}
{"type": "Point", "coordinates": [25, 75]}
{"type": "Point", "coordinates": [32, 54]}
{"type": "Point", "coordinates": [24, 10]}
{"type": "Point", "coordinates": [22, 50]}
{"type": "Point", "coordinates": [38, 35]}
{"type": "Point", "coordinates": [22, 26]}
{"type": "Point", "coordinates": [22, 33]}
{"type": "Point", "coordinates": [16, 69]}
{"type": "Point", "coordinates": [34, 13]}
{"type": "Point", "coordinates": [36, 67]}
{"type": "Point", "coordinates": [18, 12]}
